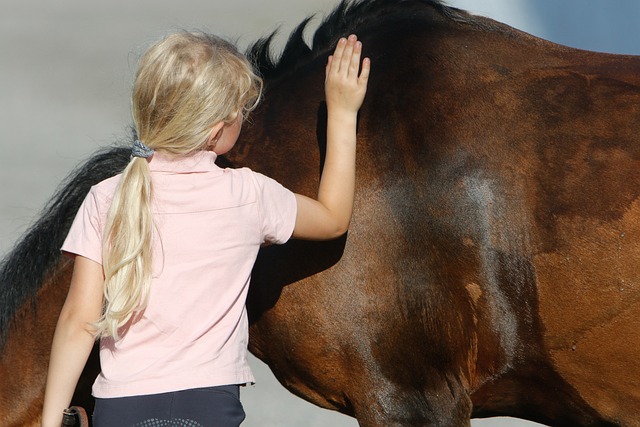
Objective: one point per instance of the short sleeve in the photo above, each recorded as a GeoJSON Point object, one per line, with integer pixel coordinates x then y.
{"type": "Point", "coordinates": [278, 210]}
{"type": "Point", "coordinates": [85, 234]}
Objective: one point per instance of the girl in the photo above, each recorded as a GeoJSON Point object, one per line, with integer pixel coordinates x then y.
{"type": "Point", "coordinates": [164, 251]}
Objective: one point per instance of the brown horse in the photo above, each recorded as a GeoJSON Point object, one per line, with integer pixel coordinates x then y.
{"type": "Point", "coordinates": [491, 264]}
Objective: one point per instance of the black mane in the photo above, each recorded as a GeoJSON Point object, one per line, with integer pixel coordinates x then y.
{"type": "Point", "coordinates": [346, 18]}
{"type": "Point", "coordinates": [23, 270]}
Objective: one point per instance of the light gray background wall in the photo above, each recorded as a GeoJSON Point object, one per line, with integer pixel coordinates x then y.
{"type": "Point", "coordinates": [65, 74]}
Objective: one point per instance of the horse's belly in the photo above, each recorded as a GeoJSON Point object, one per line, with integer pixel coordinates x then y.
{"type": "Point", "coordinates": [589, 292]}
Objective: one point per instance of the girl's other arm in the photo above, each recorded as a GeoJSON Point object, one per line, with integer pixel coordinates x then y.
{"type": "Point", "coordinates": [328, 217]}
{"type": "Point", "coordinates": [73, 338]}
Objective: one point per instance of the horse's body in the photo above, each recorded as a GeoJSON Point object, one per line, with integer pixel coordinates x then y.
{"type": "Point", "coordinates": [490, 268]}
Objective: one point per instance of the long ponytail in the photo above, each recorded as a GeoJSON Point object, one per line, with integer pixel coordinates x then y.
{"type": "Point", "coordinates": [127, 249]}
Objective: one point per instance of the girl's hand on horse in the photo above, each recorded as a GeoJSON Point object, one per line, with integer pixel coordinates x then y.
{"type": "Point", "coordinates": [345, 81]}
{"type": "Point", "coordinates": [328, 217]}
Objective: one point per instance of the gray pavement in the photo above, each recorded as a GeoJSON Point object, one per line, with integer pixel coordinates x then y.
{"type": "Point", "coordinates": [65, 74]}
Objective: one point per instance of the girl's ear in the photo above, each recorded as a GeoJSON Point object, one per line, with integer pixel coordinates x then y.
{"type": "Point", "coordinates": [215, 134]}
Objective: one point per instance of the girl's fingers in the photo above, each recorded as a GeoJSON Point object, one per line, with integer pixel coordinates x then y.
{"type": "Point", "coordinates": [345, 60]}
{"type": "Point", "coordinates": [347, 66]}
{"type": "Point", "coordinates": [354, 65]}
{"type": "Point", "coordinates": [364, 73]}
{"type": "Point", "coordinates": [337, 54]}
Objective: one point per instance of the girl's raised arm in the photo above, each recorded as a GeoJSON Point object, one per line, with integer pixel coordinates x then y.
{"type": "Point", "coordinates": [328, 217]}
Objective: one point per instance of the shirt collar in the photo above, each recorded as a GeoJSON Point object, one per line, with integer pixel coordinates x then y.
{"type": "Point", "coordinates": [200, 161]}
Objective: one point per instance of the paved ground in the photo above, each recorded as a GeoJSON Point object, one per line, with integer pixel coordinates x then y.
{"type": "Point", "coordinates": [65, 74]}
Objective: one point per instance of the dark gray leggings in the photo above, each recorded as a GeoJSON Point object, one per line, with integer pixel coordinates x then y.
{"type": "Point", "coordinates": [201, 407]}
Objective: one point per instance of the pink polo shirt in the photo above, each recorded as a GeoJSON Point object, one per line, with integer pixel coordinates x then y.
{"type": "Point", "coordinates": [210, 223]}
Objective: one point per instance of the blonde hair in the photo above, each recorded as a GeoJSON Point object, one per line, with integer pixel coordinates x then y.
{"type": "Point", "coordinates": [185, 84]}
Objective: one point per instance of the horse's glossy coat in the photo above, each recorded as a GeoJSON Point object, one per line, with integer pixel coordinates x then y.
{"type": "Point", "coordinates": [491, 266]}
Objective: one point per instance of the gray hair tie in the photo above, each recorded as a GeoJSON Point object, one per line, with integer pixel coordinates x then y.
{"type": "Point", "coordinates": [139, 149]}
